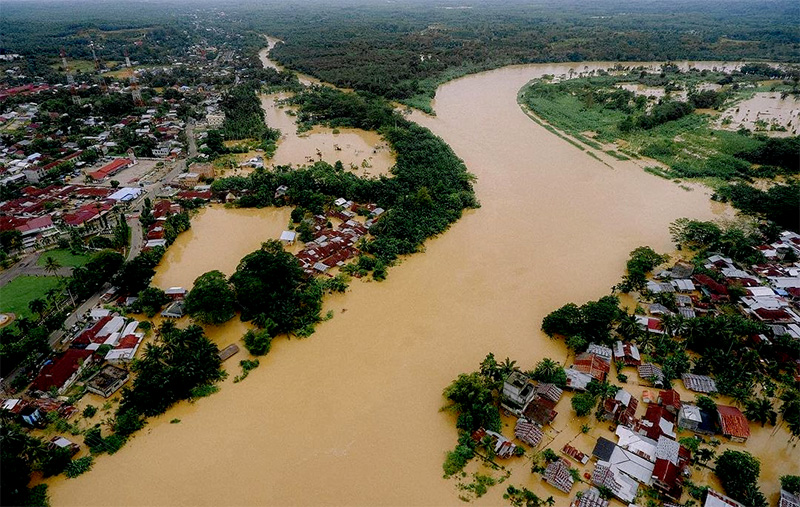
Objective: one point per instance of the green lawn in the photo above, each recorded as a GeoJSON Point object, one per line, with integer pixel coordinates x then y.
{"type": "Point", "coordinates": [64, 257]}
{"type": "Point", "coordinates": [15, 295]}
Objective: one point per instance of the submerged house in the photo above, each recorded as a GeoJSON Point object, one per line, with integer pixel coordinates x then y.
{"type": "Point", "coordinates": [518, 390]}
{"type": "Point", "coordinates": [528, 432]}
{"type": "Point", "coordinates": [699, 383]}
{"type": "Point", "coordinates": [557, 474]}
{"type": "Point", "coordinates": [691, 418]}
{"type": "Point", "coordinates": [733, 424]}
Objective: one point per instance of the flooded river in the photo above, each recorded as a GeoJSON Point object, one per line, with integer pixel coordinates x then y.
{"type": "Point", "coordinates": [350, 416]}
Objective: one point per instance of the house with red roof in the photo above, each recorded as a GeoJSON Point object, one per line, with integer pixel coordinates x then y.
{"type": "Point", "coordinates": [670, 400]}
{"type": "Point", "coordinates": [733, 423]}
{"type": "Point", "coordinates": [111, 169]}
{"type": "Point", "coordinates": [62, 371]}
{"type": "Point", "coordinates": [592, 364]}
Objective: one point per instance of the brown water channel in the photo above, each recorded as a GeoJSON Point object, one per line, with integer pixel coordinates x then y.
{"type": "Point", "coordinates": [350, 416]}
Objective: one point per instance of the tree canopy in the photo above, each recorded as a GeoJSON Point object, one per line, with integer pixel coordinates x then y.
{"type": "Point", "coordinates": [212, 299]}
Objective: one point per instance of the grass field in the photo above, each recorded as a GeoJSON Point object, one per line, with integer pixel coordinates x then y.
{"type": "Point", "coordinates": [15, 295]}
{"type": "Point", "coordinates": [64, 257]}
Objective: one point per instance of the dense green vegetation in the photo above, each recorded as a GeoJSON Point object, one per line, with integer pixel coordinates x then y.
{"type": "Point", "coordinates": [272, 291]}
{"type": "Point", "coordinates": [179, 361]}
{"type": "Point", "coordinates": [244, 118]}
{"type": "Point", "coordinates": [212, 299]}
{"type": "Point", "coordinates": [403, 50]}
{"type": "Point", "coordinates": [738, 472]}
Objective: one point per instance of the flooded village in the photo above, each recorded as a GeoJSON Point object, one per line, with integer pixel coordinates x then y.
{"type": "Point", "coordinates": [353, 414]}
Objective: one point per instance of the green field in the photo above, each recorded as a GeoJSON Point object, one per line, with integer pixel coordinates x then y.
{"type": "Point", "coordinates": [15, 295]}
{"type": "Point", "coordinates": [64, 257]}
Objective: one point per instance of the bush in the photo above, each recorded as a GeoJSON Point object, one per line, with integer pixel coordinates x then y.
{"type": "Point", "coordinates": [79, 466]}
{"type": "Point", "coordinates": [258, 342]}
{"type": "Point", "coordinates": [583, 403]}
{"type": "Point", "coordinates": [89, 411]}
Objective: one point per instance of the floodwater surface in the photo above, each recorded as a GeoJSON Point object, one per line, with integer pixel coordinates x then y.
{"type": "Point", "coordinates": [218, 239]}
{"type": "Point", "coordinates": [768, 112]}
{"type": "Point", "coordinates": [362, 152]}
{"type": "Point", "coordinates": [350, 415]}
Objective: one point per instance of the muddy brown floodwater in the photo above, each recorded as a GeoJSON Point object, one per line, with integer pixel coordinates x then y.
{"type": "Point", "coordinates": [350, 415]}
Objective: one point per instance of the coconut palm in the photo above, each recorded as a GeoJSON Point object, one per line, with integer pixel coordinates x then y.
{"type": "Point", "coordinates": [628, 327]}
{"type": "Point", "coordinates": [37, 306]}
{"type": "Point", "coordinates": [51, 265]}
{"type": "Point", "coordinates": [760, 410]}
{"type": "Point", "coordinates": [507, 367]}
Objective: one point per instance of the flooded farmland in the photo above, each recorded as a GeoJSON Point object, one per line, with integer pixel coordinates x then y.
{"type": "Point", "coordinates": [350, 415]}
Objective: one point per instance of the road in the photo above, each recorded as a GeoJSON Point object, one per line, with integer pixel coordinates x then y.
{"type": "Point", "coordinates": [29, 266]}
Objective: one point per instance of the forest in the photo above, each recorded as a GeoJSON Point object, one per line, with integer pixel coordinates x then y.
{"type": "Point", "coordinates": [403, 50]}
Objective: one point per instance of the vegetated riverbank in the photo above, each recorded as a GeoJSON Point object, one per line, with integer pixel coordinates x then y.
{"type": "Point", "coordinates": [379, 364]}
{"type": "Point", "coordinates": [669, 122]}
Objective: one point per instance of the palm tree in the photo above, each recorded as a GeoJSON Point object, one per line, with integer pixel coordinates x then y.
{"type": "Point", "coordinates": [760, 410]}
{"type": "Point", "coordinates": [628, 327]}
{"type": "Point", "coordinates": [546, 369]}
{"type": "Point", "coordinates": [37, 306]}
{"type": "Point", "coordinates": [507, 367]}
{"type": "Point", "coordinates": [51, 265]}
{"type": "Point", "coordinates": [704, 455]}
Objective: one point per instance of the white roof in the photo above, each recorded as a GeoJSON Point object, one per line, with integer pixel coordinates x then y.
{"type": "Point", "coordinates": [288, 235]}
{"type": "Point", "coordinates": [99, 313]}
{"type": "Point", "coordinates": [636, 443]}
{"type": "Point", "coordinates": [735, 273]}
{"type": "Point", "coordinates": [175, 290]}
{"type": "Point", "coordinates": [320, 267]}
{"type": "Point", "coordinates": [340, 201]}
{"type": "Point", "coordinates": [683, 285]}
{"type": "Point", "coordinates": [130, 328]}
{"type": "Point", "coordinates": [691, 413]}
{"type": "Point", "coordinates": [667, 449]}
{"type": "Point", "coordinates": [9, 404]}
{"type": "Point", "coordinates": [156, 242]}
{"type": "Point", "coordinates": [785, 282]}
{"type": "Point", "coordinates": [126, 194]}
{"type": "Point", "coordinates": [632, 465]}
{"type": "Point", "coordinates": [61, 442]}
{"type": "Point", "coordinates": [112, 326]}
{"type": "Point", "coordinates": [600, 350]}
{"type": "Point", "coordinates": [624, 397]}
{"type": "Point", "coordinates": [760, 291]}
{"type": "Point", "coordinates": [577, 379]}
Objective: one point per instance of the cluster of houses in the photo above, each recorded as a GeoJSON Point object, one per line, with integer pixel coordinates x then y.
{"type": "Point", "coordinates": [101, 349]}
{"type": "Point", "coordinates": [646, 452]}
{"type": "Point", "coordinates": [42, 215]}
{"type": "Point", "coordinates": [768, 292]}
{"type": "Point", "coordinates": [332, 247]}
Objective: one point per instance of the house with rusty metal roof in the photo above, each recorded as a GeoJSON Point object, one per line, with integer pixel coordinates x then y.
{"type": "Point", "coordinates": [528, 432]}
{"type": "Point", "coordinates": [733, 424]}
